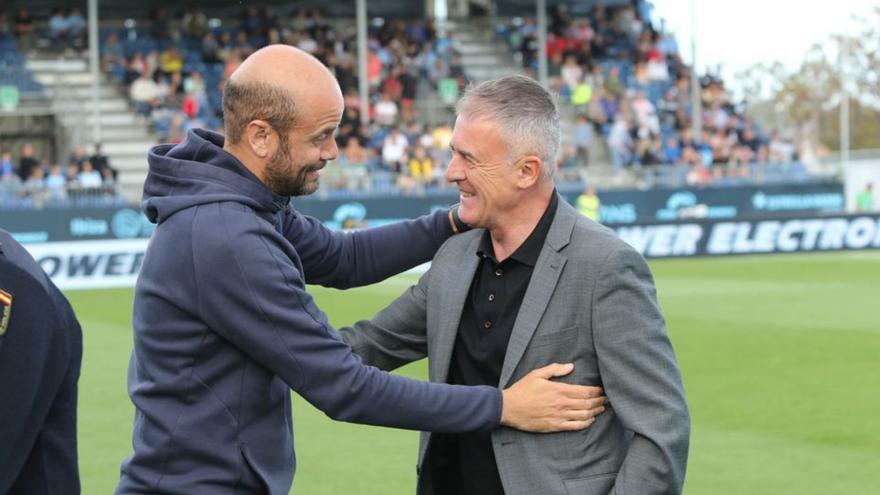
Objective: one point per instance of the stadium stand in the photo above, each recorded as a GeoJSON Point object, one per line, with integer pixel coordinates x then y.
{"type": "Point", "coordinates": [613, 69]}
{"type": "Point", "coordinates": [619, 79]}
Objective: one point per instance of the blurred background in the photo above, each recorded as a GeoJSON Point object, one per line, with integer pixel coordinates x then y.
{"type": "Point", "coordinates": [735, 144]}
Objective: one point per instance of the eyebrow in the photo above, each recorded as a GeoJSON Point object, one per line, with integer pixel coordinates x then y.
{"type": "Point", "coordinates": [330, 128]}
{"type": "Point", "coordinates": [466, 154]}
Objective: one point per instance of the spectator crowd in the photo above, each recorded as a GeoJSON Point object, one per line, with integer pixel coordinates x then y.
{"type": "Point", "coordinates": [40, 181]}
{"type": "Point", "coordinates": [620, 79]}
{"type": "Point", "coordinates": [625, 81]}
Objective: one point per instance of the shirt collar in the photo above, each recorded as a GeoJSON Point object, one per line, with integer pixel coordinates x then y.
{"type": "Point", "coordinates": [528, 252]}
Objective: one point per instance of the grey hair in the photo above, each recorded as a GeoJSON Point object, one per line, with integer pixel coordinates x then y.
{"type": "Point", "coordinates": [526, 114]}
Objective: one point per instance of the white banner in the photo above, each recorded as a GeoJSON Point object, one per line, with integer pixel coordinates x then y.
{"type": "Point", "coordinates": [91, 264]}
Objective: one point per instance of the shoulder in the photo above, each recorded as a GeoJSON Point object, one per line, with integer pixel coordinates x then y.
{"type": "Point", "coordinates": [17, 256]}
{"type": "Point", "coordinates": [455, 246]}
{"type": "Point", "coordinates": [598, 242]}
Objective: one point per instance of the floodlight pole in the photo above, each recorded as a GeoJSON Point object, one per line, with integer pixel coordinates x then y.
{"type": "Point", "coordinates": [363, 83]}
{"type": "Point", "coordinates": [542, 41]}
{"type": "Point", "coordinates": [95, 70]}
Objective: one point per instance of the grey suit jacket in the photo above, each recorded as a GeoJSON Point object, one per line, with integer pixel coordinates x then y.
{"type": "Point", "coordinates": [591, 301]}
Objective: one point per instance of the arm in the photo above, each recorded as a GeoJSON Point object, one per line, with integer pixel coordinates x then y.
{"type": "Point", "coordinates": [258, 303]}
{"type": "Point", "coordinates": [397, 335]}
{"type": "Point", "coordinates": [640, 375]}
{"type": "Point", "coordinates": [33, 374]}
{"type": "Point", "coordinates": [349, 259]}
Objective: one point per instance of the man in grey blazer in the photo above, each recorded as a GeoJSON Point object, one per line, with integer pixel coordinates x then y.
{"type": "Point", "coordinates": [535, 283]}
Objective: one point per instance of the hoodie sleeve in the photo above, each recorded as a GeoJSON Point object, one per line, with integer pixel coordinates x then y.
{"type": "Point", "coordinates": [350, 259]}
{"type": "Point", "coordinates": [251, 293]}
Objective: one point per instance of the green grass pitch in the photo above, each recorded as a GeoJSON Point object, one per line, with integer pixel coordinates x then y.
{"type": "Point", "coordinates": [780, 357]}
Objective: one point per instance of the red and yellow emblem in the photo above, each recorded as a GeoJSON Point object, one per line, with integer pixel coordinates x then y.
{"type": "Point", "coordinates": [5, 310]}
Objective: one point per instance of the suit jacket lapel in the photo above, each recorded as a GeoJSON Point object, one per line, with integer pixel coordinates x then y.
{"type": "Point", "coordinates": [541, 286]}
{"type": "Point", "coordinates": [454, 288]}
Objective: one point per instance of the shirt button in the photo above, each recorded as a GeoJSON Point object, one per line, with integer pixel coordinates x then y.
{"type": "Point", "coordinates": [498, 272]}
{"type": "Point", "coordinates": [487, 325]}
{"type": "Point", "coordinates": [491, 297]}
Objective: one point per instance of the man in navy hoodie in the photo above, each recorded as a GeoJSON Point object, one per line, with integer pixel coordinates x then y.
{"type": "Point", "coordinates": [224, 327]}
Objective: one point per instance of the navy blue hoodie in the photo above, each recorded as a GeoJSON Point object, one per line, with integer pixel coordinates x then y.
{"type": "Point", "coordinates": [224, 328]}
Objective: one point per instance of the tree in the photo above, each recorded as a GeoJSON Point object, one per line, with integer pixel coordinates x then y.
{"type": "Point", "coordinates": [807, 103]}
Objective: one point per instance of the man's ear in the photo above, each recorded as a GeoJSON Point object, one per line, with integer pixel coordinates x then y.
{"type": "Point", "coordinates": [528, 171]}
{"type": "Point", "coordinates": [258, 137]}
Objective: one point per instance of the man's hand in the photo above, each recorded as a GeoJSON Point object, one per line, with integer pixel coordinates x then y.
{"type": "Point", "coordinates": [537, 404]}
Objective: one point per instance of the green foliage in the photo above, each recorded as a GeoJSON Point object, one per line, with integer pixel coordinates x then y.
{"type": "Point", "coordinates": [808, 101]}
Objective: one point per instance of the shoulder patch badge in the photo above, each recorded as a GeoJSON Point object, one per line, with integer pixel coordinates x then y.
{"type": "Point", "coordinates": [5, 310]}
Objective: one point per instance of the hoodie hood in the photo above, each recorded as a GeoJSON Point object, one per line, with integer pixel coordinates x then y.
{"type": "Point", "coordinates": [199, 171]}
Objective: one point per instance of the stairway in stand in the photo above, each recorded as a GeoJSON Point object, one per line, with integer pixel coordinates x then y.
{"type": "Point", "coordinates": [125, 135]}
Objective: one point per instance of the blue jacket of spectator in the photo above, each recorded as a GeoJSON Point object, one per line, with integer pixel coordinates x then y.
{"type": "Point", "coordinates": [40, 356]}
{"type": "Point", "coordinates": [224, 328]}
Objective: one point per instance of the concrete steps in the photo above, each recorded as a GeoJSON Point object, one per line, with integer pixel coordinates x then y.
{"type": "Point", "coordinates": [125, 136]}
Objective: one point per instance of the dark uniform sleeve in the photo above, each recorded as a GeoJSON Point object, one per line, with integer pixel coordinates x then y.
{"type": "Point", "coordinates": [40, 354]}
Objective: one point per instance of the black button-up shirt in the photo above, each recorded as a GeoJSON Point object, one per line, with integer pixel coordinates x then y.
{"type": "Point", "coordinates": [467, 460]}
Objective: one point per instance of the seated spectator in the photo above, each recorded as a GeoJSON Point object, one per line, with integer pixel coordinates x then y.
{"type": "Point", "coordinates": [421, 167]}
{"type": "Point", "coordinates": [35, 186]}
{"type": "Point", "coordinates": [672, 150]}
{"type": "Point", "coordinates": [657, 68]}
{"type": "Point", "coordinates": [195, 25]}
{"type": "Point", "coordinates": [58, 28]}
{"type": "Point", "coordinates": [101, 162]}
{"type": "Point", "coordinates": [698, 175]}
{"type": "Point", "coordinates": [9, 180]}
{"type": "Point", "coordinates": [56, 183]}
{"type": "Point", "coordinates": [112, 52]}
{"type": "Point", "coordinates": [23, 28]}
{"type": "Point", "coordinates": [582, 139]}
{"type": "Point", "coordinates": [144, 92]}
{"type": "Point", "coordinates": [780, 150]}
{"type": "Point", "coordinates": [571, 72]}
{"type": "Point", "coordinates": [5, 27]}
{"type": "Point", "coordinates": [386, 111]}
{"type": "Point", "coordinates": [171, 61]}
{"type": "Point", "coordinates": [151, 62]}
{"type": "Point", "coordinates": [394, 149]}
{"type": "Point", "coordinates": [108, 180]}
{"type": "Point", "coordinates": [89, 178]}
{"type": "Point", "coordinates": [27, 162]}
{"type": "Point", "coordinates": [78, 157]}
{"type": "Point", "coordinates": [251, 22]}
{"type": "Point", "coordinates": [211, 49]}
{"type": "Point", "coordinates": [159, 24]}
{"type": "Point", "coordinates": [194, 85]}
{"type": "Point", "coordinates": [354, 161]}
{"type": "Point", "coordinates": [620, 143]}
{"type": "Point", "coordinates": [76, 27]}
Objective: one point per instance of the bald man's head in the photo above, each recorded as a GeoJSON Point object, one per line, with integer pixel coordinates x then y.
{"type": "Point", "coordinates": [267, 85]}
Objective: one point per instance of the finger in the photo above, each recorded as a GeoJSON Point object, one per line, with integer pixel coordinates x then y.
{"type": "Point", "coordinates": [580, 391]}
{"type": "Point", "coordinates": [595, 405]}
{"type": "Point", "coordinates": [574, 425]}
{"type": "Point", "coordinates": [580, 414]}
{"type": "Point", "coordinates": [552, 370]}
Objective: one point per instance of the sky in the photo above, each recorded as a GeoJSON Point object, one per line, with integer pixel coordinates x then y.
{"type": "Point", "coordinates": [741, 33]}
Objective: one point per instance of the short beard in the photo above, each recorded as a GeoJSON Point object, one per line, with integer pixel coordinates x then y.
{"type": "Point", "coordinates": [281, 178]}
